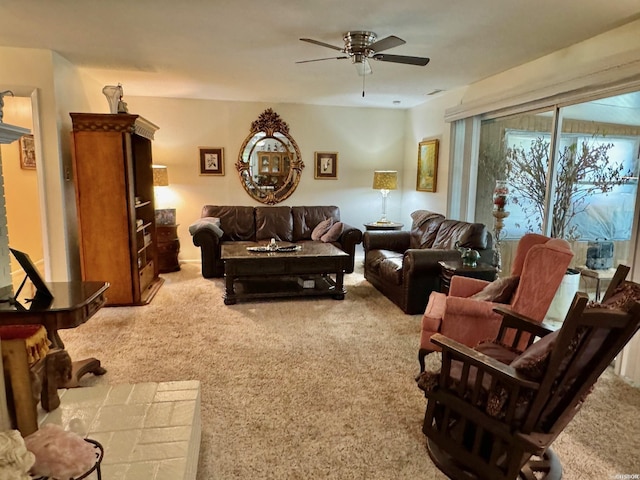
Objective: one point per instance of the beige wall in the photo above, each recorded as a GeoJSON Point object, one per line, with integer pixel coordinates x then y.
{"type": "Point", "coordinates": [426, 122]}
{"type": "Point", "coordinates": [365, 139]}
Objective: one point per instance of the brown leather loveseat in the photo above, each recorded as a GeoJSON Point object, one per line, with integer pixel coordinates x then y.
{"type": "Point", "coordinates": [404, 264]}
{"type": "Point", "coordinates": [261, 224]}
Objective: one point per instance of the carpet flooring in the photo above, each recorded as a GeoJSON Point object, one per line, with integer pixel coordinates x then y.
{"type": "Point", "coordinates": [314, 388]}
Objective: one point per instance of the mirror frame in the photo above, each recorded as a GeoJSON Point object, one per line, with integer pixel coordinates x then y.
{"type": "Point", "coordinates": [267, 126]}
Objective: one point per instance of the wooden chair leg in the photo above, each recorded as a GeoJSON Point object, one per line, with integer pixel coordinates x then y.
{"type": "Point", "coordinates": [423, 352]}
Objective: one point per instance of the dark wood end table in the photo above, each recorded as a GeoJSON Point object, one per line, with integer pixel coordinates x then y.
{"type": "Point", "coordinates": [168, 248]}
{"type": "Point", "coordinates": [383, 226]}
{"type": "Point", "coordinates": [448, 269]}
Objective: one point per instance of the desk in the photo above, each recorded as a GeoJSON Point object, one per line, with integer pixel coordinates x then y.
{"type": "Point", "coordinates": [72, 305]}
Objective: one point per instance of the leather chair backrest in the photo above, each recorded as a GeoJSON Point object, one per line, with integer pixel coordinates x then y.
{"type": "Point", "coordinates": [237, 223]}
{"type": "Point", "coordinates": [274, 222]}
{"type": "Point", "coordinates": [469, 235]}
{"type": "Point", "coordinates": [424, 228]}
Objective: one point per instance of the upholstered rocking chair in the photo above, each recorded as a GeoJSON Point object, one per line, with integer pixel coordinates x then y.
{"type": "Point", "coordinates": [486, 419]}
{"type": "Point", "coordinates": [467, 315]}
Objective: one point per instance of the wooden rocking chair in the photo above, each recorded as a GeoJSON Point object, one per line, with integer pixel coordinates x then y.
{"type": "Point", "coordinates": [486, 419]}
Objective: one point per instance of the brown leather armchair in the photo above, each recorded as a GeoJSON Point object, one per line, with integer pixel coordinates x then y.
{"type": "Point", "coordinates": [403, 265]}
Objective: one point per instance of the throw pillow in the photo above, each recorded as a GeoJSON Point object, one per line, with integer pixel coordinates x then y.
{"type": "Point", "coordinates": [623, 298]}
{"type": "Point", "coordinates": [322, 228]}
{"type": "Point", "coordinates": [532, 363]}
{"type": "Point", "coordinates": [333, 234]}
{"type": "Point", "coordinates": [498, 291]}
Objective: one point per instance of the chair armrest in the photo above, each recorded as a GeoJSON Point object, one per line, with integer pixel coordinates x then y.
{"type": "Point", "coordinates": [209, 244]}
{"type": "Point", "coordinates": [426, 259]}
{"type": "Point", "coordinates": [351, 236]}
{"type": "Point", "coordinates": [514, 325]}
{"type": "Point", "coordinates": [465, 286]}
{"type": "Point", "coordinates": [397, 241]}
{"type": "Point", "coordinates": [452, 350]}
{"type": "Point", "coordinates": [205, 237]}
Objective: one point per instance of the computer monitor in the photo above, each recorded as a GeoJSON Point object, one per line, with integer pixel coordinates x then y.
{"type": "Point", "coordinates": [43, 295]}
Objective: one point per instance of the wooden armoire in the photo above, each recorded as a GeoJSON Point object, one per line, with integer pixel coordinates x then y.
{"type": "Point", "coordinates": [112, 167]}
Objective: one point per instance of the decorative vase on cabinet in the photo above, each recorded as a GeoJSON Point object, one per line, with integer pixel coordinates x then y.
{"type": "Point", "coordinates": [115, 204]}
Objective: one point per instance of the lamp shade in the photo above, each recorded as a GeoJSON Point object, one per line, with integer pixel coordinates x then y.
{"type": "Point", "coordinates": [385, 180]}
{"type": "Point", "coordinates": [160, 176]}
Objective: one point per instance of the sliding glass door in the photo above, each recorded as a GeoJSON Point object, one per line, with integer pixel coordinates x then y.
{"type": "Point", "coordinates": [571, 172]}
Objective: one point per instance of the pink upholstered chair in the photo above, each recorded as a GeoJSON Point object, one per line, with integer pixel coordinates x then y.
{"type": "Point", "coordinates": [540, 263]}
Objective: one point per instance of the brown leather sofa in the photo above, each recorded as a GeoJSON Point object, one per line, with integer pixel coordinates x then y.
{"type": "Point", "coordinates": [403, 265]}
{"type": "Point", "coordinates": [260, 224]}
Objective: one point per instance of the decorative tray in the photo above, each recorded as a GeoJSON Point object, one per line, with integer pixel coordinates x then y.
{"type": "Point", "coordinates": [266, 248]}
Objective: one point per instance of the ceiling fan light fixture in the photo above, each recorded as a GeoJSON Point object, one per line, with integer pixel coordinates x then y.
{"type": "Point", "coordinates": [362, 65]}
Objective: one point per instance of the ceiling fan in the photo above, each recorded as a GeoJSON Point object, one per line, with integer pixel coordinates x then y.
{"type": "Point", "coordinates": [360, 46]}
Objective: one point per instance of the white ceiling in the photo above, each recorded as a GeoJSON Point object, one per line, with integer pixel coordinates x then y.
{"type": "Point", "coordinates": [246, 49]}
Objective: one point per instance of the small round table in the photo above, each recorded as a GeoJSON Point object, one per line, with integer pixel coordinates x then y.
{"type": "Point", "coordinates": [384, 226]}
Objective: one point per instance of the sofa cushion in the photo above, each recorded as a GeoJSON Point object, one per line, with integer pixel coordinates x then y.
{"type": "Point", "coordinates": [237, 223]}
{"type": "Point", "coordinates": [306, 218]}
{"type": "Point", "coordinates": [274, 222]}
{"type": "Point", "coordinates": [375, 258]}
{"type": "Point", "coordinates": [469, 235]}
{"type": "Point", "coordinates": [320, 229]}
{"type": "Point", "coordinates": [391, 269]}
{"type": "Point", "coordinates": [334, 233]}
{"type": "Point", "coordinates": [424, 228]}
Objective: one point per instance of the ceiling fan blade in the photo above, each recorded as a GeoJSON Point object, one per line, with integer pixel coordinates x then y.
{"type": "Point", "coordinates": [421, 61]}
{"type": "Point", "coordinates": [363, 68]}
{"type": "Point", "coordinates": [320, 59]}
{"type": "Point", "coordinates": [322, 44]}
{"type": "Point", "coordinates": [386, 43]}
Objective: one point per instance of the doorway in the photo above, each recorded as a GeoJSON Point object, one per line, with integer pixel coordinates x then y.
{"type": "Point", "coordinates": [21, 193]}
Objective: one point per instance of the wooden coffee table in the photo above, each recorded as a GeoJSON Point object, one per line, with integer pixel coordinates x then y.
{"type": "Point", "coordinates": [261, 275]}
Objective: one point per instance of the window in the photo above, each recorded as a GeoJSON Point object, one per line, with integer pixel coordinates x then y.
{"type": "Point", "coordinates": [583, 189]}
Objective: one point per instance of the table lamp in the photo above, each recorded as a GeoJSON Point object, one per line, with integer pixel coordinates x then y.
{"type": "Point", "coordinates": [385, 180]}
{"type": "Point", "coordinates": [160, 176]}
{"type": "Point", "coordinates": [164, 216]}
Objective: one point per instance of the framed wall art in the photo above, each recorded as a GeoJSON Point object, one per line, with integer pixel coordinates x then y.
{"type": "Point", "coordinates": [27, 152]}
{"type": "Point", "coordinates": [326, 165]}
{"type": "Point", "coordinates": [427, 166]}
{"type": "Point", "coordinates": [211, 161]}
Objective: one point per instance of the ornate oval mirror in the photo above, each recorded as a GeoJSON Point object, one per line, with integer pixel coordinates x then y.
{"type": "Point", "coordinates": [269, 163]}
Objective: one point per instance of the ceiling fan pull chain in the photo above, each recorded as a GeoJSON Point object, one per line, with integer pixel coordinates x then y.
{"type": "Point", "coordinates": [363, 77]}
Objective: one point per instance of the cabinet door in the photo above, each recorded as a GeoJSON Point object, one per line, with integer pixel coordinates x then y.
{"type": "Point", "coordinates": [104, 224]}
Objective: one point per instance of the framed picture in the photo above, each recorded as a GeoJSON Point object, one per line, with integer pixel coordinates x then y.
{"type": "Point", "coordinates": [27, 152]}
{"type": "Point", "coordinates": [427, 166]}
{"type": "Point", "coordinates": [166, 216]}
{"type": "Point", "coordinates": [211, 161]}
{"type": "Point", "coordinates": [326, 165]}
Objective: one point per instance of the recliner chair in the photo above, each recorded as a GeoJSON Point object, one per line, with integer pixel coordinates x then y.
{"type": "Point", "coordinates": [539, 266]}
